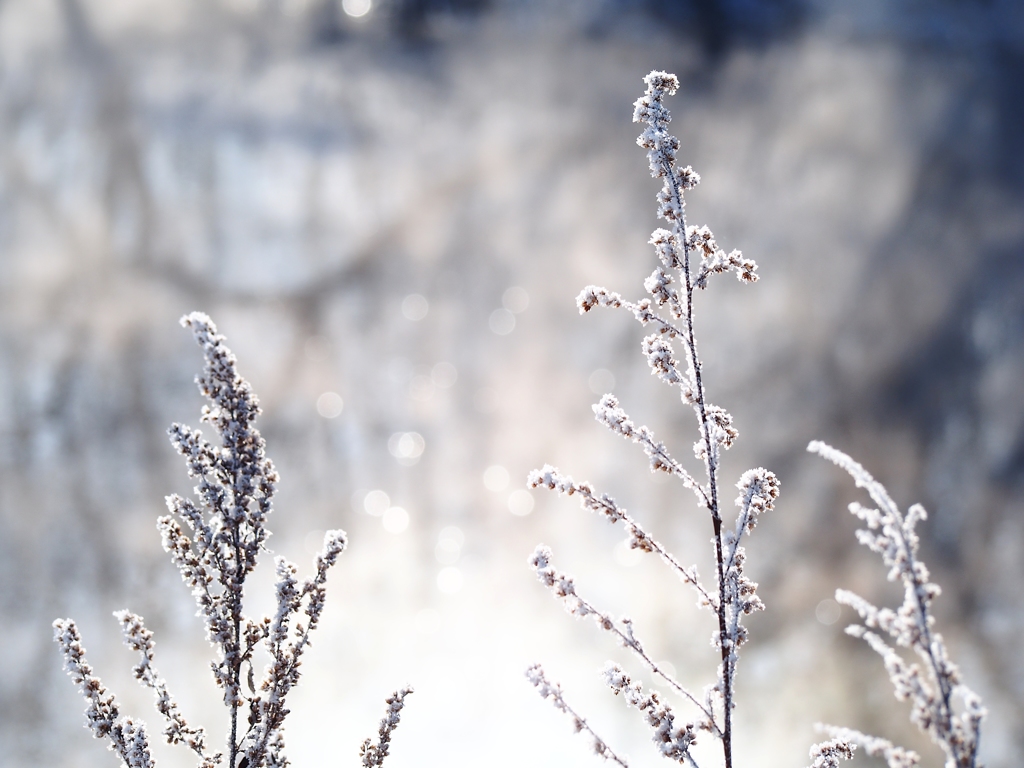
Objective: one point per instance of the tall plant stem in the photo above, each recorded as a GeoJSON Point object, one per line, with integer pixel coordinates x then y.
{"type": "Point", "coordinates": [710, 465]}
{"type": "Point", "coordinates": [236, 662]}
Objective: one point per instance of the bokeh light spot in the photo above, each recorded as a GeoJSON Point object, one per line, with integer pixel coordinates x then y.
{"type": "Point", "coordinates": [601, 381]}
{"type": "Point", "coordinates": [496, 478]}
{"type": "Point", "coordinates": [444, 375]}
{"type": "Point", "coordinates": [395, 520]}
{"type": "Point", "coordinates": [515, 299]}
{"type": "Point", "coordinates": [415, 307]}
{"type": "Point", "coordinates": [827, 611]}
{"type": "Point", "coordinates": [449, 580]}
{"type": "Point", "coordinates": [502, 322]}
{"type": "Point", "coordinates": [330, 405]}
{"type": "Point", "coordinates": [520, 502]}
{"type": "Point", "coordinates": [356, 8]}
{"type": "Point", "coordinates": [407, 447]}
{"type": "Point", "coordinates": [376, 503]}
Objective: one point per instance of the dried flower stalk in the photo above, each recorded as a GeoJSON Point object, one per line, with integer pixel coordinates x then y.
{"type": "Point", "coordinates": [688, 257]}
{"type": "Point", "coordinates": [235, 484]}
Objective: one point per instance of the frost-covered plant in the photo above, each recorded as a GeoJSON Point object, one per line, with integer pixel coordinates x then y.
{"type": "Point", "coordinates": [934, 689]}
{"type": "Point", "coordinates": [688, 257]}
{"type": "Point", "coordinates": [227, 532]}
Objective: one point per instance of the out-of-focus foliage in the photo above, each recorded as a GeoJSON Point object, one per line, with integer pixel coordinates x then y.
{"type": "Point", "coordinates": [302, 175]}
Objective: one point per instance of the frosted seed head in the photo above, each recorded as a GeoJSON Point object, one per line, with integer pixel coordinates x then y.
{"type": "Point", "coordinates": [659, 82]}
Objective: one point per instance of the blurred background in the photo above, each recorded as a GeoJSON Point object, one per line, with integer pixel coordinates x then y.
{"type": "Point", "coordinates": [388, 206]}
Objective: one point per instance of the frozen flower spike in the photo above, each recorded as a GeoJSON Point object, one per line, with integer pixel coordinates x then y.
{"type": "Point", "coordinates": [127, 738]}
{"type": "Point", "coordinates": [102, 712]}
{"type": "Point", "coordinates": [829, 753]}
{"type": "Point", "coordinates": [687, 257]}
{"type": "Point", "coordinates": [933, 685]}
{"type": "Point", "coordinates": [178, 731]}
{"type": "Point", "coordinates": [215, 541]}
{"type": "Point", "coordinates": [673, 742]}
{"type": "Point", "coordinates": [895, 757]}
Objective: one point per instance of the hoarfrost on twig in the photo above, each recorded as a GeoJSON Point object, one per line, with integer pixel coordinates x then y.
{"type": "Point", "coordinates": [605, 505]}
{"type": "Point", "coordinates": [140, 639]}
{"type": "Point", "coordinates": [829, 753]}
{"type": "Point", "coordinates": [933, 684]}
{"type": "Point", "coordinates": [673, 741]}
{"type": "Point", "coordinates": [895, 757]}
{"type": "Point", "coordinates": [373, 754]}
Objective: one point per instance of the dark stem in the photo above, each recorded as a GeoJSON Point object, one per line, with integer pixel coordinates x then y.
{"type": "Point", "coordinates": [234, 708]}
{"type": "Point", "coordinates": [726, 649]}
{"type": "Point", "coordinates": [712, 469]}
{"type": "Point", "coordinates": [922, 611]}
{"type": "Point", "coordinates": [236, 656]}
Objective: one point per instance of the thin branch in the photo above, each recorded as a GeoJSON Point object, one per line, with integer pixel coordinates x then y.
{"type": "Point", "coordinates": [551, 478]}
{"type": "Point", "coordinates": [553, 691]}
{"type": "Point", "coordinates": [564, 588]}
{"type": "Point", "coordinates": [673, 742]}
{"type": "Point", "coordinates": [140, 639]}
{"type": "Point", "coordinates": [608, 412]}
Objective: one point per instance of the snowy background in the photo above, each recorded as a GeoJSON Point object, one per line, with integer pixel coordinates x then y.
{"type": "Point", "coordinates": [389, 215]}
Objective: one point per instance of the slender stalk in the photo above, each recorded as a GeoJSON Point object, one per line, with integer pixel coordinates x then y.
{"type": "Point", "coordinates": [945, 688]}
{"type": "Point", "coordinates": [891, 534]}
{"type": "Point", "coordinates": [236, 663]}
{"type": "Point", "coordinates": [234, 707]}
{"type": "Point", "coordinates": [553, 691]}
{"type": "Point", "coordinates": [711, 466]}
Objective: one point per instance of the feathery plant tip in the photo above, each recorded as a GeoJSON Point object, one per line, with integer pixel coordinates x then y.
{"type": "Point", "coordinates": [226, 532]}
